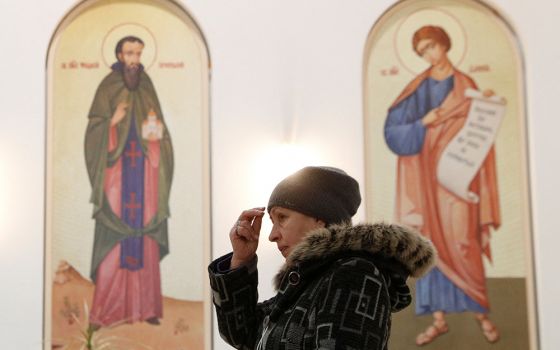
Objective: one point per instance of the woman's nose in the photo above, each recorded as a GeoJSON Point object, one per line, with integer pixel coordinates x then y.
{"type": "Point", "coordinates": [274, 235]}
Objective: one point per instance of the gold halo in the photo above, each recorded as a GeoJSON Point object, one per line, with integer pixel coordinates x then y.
{"type": "Point", "coordinates": [406, 55]}
{"type": "Point", "coordinates": [149, 53]}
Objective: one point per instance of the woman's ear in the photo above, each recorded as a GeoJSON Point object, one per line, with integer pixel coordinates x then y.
{"type": "Point", "coordinates": [321, 223]}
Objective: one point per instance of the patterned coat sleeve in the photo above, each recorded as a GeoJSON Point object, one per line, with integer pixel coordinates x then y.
{"type": "Point", "coordinates": [235, 297]}
{"type": "Point", "coordinates": [353, 308]}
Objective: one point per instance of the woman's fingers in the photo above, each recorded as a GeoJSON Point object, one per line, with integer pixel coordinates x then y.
{"type": "Point", "coordinates": [257, 226]}
{"type": "Point", "coordinates": [250, 214]}
{"type": "Point", "coordinates": [244, 230]}
{"type": "Point", "coordinates": [249, 224]}
{"type": "Point", "coordinates": [248, 230]}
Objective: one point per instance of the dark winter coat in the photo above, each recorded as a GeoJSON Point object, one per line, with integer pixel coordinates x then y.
{"type": "Point", "coordinates": [337, 290]}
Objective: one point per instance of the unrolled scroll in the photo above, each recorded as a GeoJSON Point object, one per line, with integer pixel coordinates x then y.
{"type": "Point", "coordinates": [466, 152]}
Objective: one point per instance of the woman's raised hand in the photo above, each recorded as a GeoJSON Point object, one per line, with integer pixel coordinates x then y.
{"type": "Point", "coordinates": [244, 236]}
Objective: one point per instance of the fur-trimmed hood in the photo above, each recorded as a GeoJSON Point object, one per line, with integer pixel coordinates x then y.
{"type": "Point", "coordinates": [411, 251]}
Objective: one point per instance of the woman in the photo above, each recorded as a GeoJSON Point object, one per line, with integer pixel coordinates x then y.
{"type": "Point", "coordinates": [339, 283]}
{"type": "Point", "coordinates": [430, 111]}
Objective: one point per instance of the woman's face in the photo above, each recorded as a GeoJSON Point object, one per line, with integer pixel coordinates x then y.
{"type": "Point", "coordinates": [289, 227]}
{"type": "Point", "coordinates": [431, 51]}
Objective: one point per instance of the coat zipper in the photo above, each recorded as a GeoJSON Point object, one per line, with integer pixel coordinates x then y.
{"type": "Point", "coordinates": [264, 333]}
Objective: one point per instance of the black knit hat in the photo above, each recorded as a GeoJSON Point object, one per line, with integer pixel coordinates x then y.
{"type": "Point", "coordinates": [325, 193]}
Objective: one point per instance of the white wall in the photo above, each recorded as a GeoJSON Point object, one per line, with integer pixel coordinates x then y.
{"type": "Point", "coordinates": [281, 70]}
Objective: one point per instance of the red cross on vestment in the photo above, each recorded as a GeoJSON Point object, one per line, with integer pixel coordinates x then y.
{"type": "Point", "coordinates": [132, 206]}
{"type": "Point", "coordinates": [131, 260]}
{"type": "Point", "coordinates": [133, 153]}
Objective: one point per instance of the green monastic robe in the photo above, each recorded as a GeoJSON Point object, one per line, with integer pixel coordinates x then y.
{"type": "Point", "coordinates": [109, 228]}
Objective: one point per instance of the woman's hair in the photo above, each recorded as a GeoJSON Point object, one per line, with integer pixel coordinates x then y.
{"type": "Point", "coordinates": [435, 33]}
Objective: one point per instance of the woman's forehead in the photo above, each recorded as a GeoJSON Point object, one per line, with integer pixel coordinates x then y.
{"type": "Point", "coordinates": [275, 210]}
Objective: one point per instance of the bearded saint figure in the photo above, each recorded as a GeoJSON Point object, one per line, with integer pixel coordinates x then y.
{"type": "Point", "coordinates": [129, 159]}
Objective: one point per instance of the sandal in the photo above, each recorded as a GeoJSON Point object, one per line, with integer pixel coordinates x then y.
{"type": "Point", "coordinates": [432, 332]}
{"type": "Point", "coordinates": [489, 330]}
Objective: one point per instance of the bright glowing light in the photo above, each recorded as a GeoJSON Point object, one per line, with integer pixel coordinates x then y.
{"type": "Point", "coordinates": [272, 165]}
{"type": "Point", "coordinates": [275, 163]}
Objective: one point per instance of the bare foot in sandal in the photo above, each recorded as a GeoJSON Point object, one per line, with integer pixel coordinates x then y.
{"type": "Point", "coordinates": [489, 329]}
{"type": "Point", "coordinates": [437, 328]}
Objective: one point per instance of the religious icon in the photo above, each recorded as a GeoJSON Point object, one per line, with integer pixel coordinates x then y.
{"type": "Point", "coordinates": [127, 195]}
{"type": "Point", "coordinates": [441, 136]}
{"type": "Point", "coordinates": [420, 125]}
{"type": "Point", "coordinates": [130, 167]}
